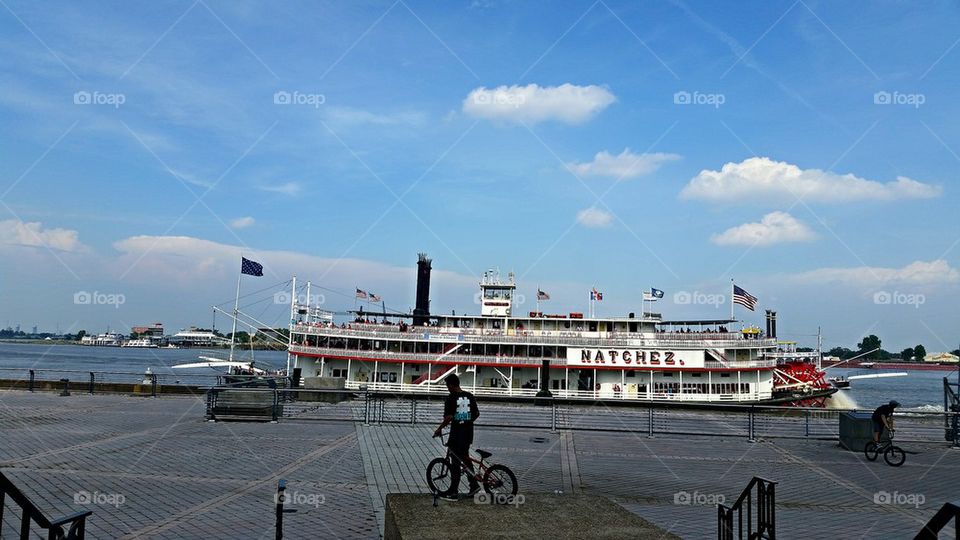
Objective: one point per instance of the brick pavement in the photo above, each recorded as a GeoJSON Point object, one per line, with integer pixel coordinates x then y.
{"type": "Point", "coordinates": [182, 477]}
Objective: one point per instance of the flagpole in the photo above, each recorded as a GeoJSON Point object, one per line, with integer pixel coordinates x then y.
{"type": "Point", "coordinates": [538, 298]}
{"type": "Point", "coordinates": [731, 299]}
{"type": "Point", "coordinates": [236, 307]}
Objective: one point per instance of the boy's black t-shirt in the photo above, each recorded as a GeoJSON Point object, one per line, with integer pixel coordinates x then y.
{"type": "Point", "coordinates": [883, 410]}
{"type": "Point", "coordinates": [462, 406]}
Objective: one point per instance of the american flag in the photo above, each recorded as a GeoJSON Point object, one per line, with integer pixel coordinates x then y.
{"type": "Point", "coordinates": [250, 268]}
{"type": "Point", "coordinates": [542, 295]}
{"type": "Point", "coordinates": [374, 297]}
{"type": "Point", "coordinates": [362, 294]}
{"type": "Point", "coordinates": [596, 295]}
{"type": "Point", "coordinates": [744, 298]}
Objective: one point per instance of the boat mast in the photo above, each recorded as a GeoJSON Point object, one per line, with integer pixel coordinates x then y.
{"type": "Point", "coordinates": [293, 307]}
{"type": "Point", "coordinates": [236, 308]}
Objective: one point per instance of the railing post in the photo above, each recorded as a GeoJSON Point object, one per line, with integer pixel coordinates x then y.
{"type": "Point", "coordinates": [750, 425]}
{"type": "Point", "coordinates": [806, 418]}
{"type": "Point", "coordinates": [366, 406]}
{"type": "Point", "coordinates": [66, 387]}
{"type": "Point", "coordinates": [553, 415]}
{"type": "Point", "coordinates": [413, 410]}
{"type": "Point", "coordinates": [281, 488]}
{"type": "Point", "coordinates": [32, 378]}
{"type": "Point", "coordinates": [380, 404]}
{"type": "Point", "coordinates": [91, 382]}
{"type": "Point", "coordinates": [153, 385]}
{"type": "Point", "coordinates": [650, 422]}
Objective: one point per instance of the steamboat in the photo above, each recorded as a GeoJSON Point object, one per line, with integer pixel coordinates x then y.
{"type": "Point", "coordinates": [643, 358]}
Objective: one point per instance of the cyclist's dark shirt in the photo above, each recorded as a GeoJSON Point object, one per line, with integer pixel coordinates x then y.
{"type": "Point", "coordinates": [462, 406]}
{"type": "Point", "coordinates": [881, 411]}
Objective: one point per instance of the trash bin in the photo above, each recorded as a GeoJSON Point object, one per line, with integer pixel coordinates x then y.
{"type": "Point", "coordinates": [856, 430]}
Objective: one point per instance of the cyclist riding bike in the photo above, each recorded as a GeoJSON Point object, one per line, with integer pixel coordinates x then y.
{"type": "Point", "coordinates": [459, 412]}
{"type": "Point", "coordinates": [883, 419]}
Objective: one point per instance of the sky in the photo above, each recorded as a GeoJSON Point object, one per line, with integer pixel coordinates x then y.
{"type": "Point", "coordinates": [807, 150]}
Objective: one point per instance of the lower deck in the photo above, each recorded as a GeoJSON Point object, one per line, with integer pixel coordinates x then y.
{"type": "Point", "coordinates": [732, 385]}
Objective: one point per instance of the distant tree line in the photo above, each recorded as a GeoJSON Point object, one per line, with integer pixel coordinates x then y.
{"type": "Point", "coordinates": [910, 354]}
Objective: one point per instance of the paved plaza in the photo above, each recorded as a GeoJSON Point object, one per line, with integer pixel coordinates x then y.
{"type": "Point", "coordinates": [153, 468]}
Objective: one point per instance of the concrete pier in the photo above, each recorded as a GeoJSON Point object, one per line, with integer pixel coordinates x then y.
{"type": "Point", "coordinates": [153, 468]}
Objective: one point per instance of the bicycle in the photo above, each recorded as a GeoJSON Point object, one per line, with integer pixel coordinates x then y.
{"type": "Point", "coordinates": [496, 479]}
{"type": "Point", "coordinates": [892, 454]}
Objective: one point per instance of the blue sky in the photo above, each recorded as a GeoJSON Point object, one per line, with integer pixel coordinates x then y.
{"type": "Point", "coordinates": [807, 149]}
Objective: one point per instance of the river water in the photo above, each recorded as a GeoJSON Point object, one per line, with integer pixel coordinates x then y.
{"type": "Point", "coordinates": [919, 390]}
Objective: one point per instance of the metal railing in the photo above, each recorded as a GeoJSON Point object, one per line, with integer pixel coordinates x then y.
{"type": "Point", "coordinates": [763, 525]}
{"type": "Point", "coordinates": [70, 527]}
{"type": "Point", "coordinates": [281, 498]}
{"type": "Point", "coordinates": [948, 512]}
{"type": "Point", "coordinates": [533, 361]}
{"type": "Point", "coordinates": [751, 422]}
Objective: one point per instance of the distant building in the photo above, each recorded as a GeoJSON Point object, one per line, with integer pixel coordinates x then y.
{"type": "Point", "coordinates": [195, 337]}
{"type": "Point", "coordinates": [942, 358]}
{"type": "Point", "coordinates": [155, 331]}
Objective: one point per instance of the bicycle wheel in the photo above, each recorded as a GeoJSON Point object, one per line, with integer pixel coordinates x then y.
{"type": "Point", "coordinates": [894, 456]}
{"type": "Point", "coordinates": [438, 475]}
{"type": "Point", "coordinates": [870, 450]}
{"type": "Point", "coordinates": [500, 480]}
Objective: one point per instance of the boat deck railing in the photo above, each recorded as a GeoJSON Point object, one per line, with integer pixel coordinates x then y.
{"type": "Point", "coordinates": [760, 523]}
{"type": "Point", "coordinates": [538, 337]}
{"type": "Point", "coordinates": [555, 362]}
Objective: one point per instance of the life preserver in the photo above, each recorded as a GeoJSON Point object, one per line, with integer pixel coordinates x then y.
{"type": "Point", "coordinates": [598, 386]}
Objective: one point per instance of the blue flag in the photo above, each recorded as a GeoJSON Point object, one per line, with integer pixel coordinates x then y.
{"type": "Point", "coordinates": [656, 293]}
{"type": "Point", "coordinates": [250, 268]}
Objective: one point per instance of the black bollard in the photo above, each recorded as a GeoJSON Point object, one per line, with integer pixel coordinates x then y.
{"type": "Point", "coordinates": [91, 382]}
{"type": "Point", "coordinates": [66, 387]}
{"type": "Point", "coordinates": [32, 377]}
{"type": "Point", "coordinates": [153, 385]}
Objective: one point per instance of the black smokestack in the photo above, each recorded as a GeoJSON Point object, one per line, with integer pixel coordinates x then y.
{"type": "Point", "coordinates": [768, 323]}
{"type": "Point", "coordinates": [421, 313]}
{"type": "Point", "coordinates": [773, 324]}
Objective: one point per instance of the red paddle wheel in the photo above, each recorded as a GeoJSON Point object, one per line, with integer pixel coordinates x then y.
{"type": "Point", "coordinates": [804, 381]}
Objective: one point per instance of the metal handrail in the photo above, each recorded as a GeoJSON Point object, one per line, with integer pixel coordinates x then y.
{"type": "Point", "coordinates": [69, 527]}
{"type": "Point", "coordinates": [766, 523]}
{"type": "Point", "coordinates": [947, 512]}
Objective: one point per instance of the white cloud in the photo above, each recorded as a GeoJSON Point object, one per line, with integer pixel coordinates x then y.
{"type": "Point", "coordinates": [915, 273]}
{"type": "Point", "coordinates": [773, 228]}
{"type": "Point", "coordinates": [622, 166]}
{"type": "Point", "coordinates": [532, 103]}
{"type": "Point", "coordinates": [763, 178]}
{"type": "Point", "coordinates": [242, 222]}
{"type": "Point", "coordinates": [18, 233]}
{"type": "Point", "coordinates": [594, 217]}
{"type": "Point", "coordinates": [288, 188]}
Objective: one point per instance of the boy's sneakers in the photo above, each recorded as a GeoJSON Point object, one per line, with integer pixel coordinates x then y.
{"type": "Point", "coordinates": [447, 496]}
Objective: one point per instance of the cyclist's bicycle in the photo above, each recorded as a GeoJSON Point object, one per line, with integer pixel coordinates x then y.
{"type": "Point", "coordinates": [893, 455]}
{"type": "Point", "coordinates": [495, 479]}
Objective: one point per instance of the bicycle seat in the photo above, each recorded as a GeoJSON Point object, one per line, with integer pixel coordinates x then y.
{"type": "Point", "coordinates": [483, 454]}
